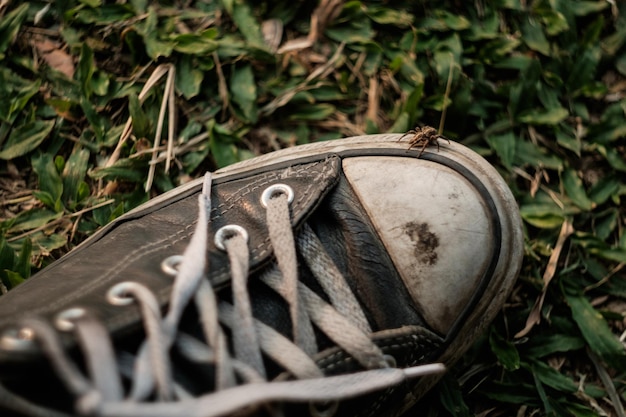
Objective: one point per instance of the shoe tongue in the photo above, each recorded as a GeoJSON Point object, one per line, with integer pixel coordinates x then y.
{"type": "Point", "coordinates": [349, 238]}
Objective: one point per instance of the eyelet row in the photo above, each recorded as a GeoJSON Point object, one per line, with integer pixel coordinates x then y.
{"type": "Point", "coordinates": [23, 338]}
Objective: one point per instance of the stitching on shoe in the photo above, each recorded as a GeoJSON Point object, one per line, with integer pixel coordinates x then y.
{"type": "Point", "coordinates": [373, 409]}
{"type": "Point", "coordinates": [186, 231]}
{"type": "Point", "coordinates": [114, 271]}
{"type": "Point", "coordinates": [302, 200]}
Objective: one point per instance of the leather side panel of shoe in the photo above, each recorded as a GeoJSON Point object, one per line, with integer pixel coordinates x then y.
{"type": "Point", "coordinates": [133, 247]}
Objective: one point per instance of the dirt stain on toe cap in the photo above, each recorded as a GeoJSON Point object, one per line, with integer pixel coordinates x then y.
{"type": "Point", "coordinates": [424, 241]}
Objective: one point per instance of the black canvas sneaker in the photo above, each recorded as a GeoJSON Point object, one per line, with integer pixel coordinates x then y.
{"type": "Point", "coordinates": [336, 278]}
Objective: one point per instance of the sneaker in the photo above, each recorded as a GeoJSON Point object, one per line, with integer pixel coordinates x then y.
{"type": "Point", "coordinates": [336, 278]}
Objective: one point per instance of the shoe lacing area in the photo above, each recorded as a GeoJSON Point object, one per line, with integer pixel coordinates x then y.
{"type": "Point", "coordinates": [231, 340]}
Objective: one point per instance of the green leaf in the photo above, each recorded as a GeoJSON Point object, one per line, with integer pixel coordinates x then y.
{"type": "Point", "coordinates": [16, 97]}
{"type": "Point", "coordinates": [580, 410]}
{"type": "Point", "coordinates": [247, 24]}
{"type": "Point", "coordinates": [100, 83]}
{"type": "Point", "coordinates": [7, 255]}
{"type": "Point", "coordinates": [542, 394]}
{"type": "Point", "coordinates": [224, 153]}
{"type": "Point", "coordinates": [568, 141]}
{"type": "Point", "coordinates": [104, 215]}
{"type": "Point", "coordinates": [612, 254]}
{"type": "Point", "coordinates": [412, 106]}
{"type": "Point", "coordinates": [127, 169]}
{"type": "Point", "coordinates": [194, 44]}
{"type": "Point", "coordinates": [542, 216]}
{"type": "Point", "coordinates": [313, 112]}
{"type": "Point", "coordinates": [604, 189]}
{"type": "Point", "coordinates": [188, 77]}
{"type": "Point", "coordinates": [50, 182]}
{"type": "Point", "coordinates": [13, 278]}
{"type": "Point", "coordinates": [155, 47]}
{"type": "Point", "coordinates": [614, 158]}
{"type": "Point", "coordinates": [533, 155]}
{"type": "Point", "coordinates": [499, 47]}
{"type": "Point", "coordinates": [33, 219]}
{"type": "Point", "coordinates": [443, 20]}
{"type": "Point", "coordinates": [388, 16]}
{"type": "Point", "coordinates": [553, 21]}
{"type": "Point", "coordinates": [91, 3]}
{"type": "Point", "coordinates": [85, 69]}
{"type": "Point", "coordinates": [243, 88]}
{"type": "Point", "coordinates": [10, 25]}
{"type": "Point", "coordinates": [451, 397]}
{"type": "Point", "coordinates": [97, 123]}
{"type": "Point", "coordinates": [575, 190]}
{"type": "Point", "coordinates": [402, 124]}
{"type": "Point", "coordinates": [142, 124]}
{"type": "Point", "coordinates": [73, 176]}
{"type": "Point", "coordinates": [544, 117]}
{"type": "Point", "coordinates": [505, 351]}
{"type": "Point", "coordinates": [26, 138]}
{"type": "Point", "coordinates": [552, 378]}
{"type": "Point", "coordinates": [140, 6]}
{"type": "Point", "coordinates": [597, 332]}
{"type": "Point", "coordinates": [22, 266]}
{"type": "Point", "coordinates": [485, 28]}
{"type": "Point", "coordinates": [583, 69]}
{"type": "Point", "coordinates": [605, 225]}
{"type": "Point", "coordinates": [544, 345]}
{"type": "Point", "coordinates": [44, 243]}
{"type": "Point", "coordinates": [512, 393]}
{"type": "Point", "coordinates": [408, 68]}
{"type": "Point", "coordinates": [583, 8]}
{"type": "Point", "coordinates": [355, 32]}
{"type": "Point", "coordinates": [534, 37]}
{"type": "Point", "coordinates": [504, 146]}
{"type": "Point", "coordinates": [612, 43]}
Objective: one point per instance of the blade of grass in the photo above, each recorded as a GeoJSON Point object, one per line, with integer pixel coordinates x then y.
{"type": "Point", "coordinates": [60, 220]}
{"type": "Point", "coordinates": [169, 85]}
{"type": "Point", "coordinates": [608, 384]}
{"type": "Point", "coordinates": [156, 75]}
{"type": "Point", "coordinates": [535, 315]}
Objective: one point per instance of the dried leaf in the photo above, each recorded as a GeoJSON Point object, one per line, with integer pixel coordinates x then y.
{"type": "Point", "coordinates": [535, 315]}
{"type": "Point", "coordinates": [55, 56]}
{"type": "Point", "coordinates": [272, 30]}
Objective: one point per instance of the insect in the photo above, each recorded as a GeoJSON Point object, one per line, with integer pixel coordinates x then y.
{"type": "Point", "coordinates": [423, 136]}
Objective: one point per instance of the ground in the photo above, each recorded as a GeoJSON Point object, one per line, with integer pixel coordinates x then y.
{"type": "Point", "coordinates": [106, 104]}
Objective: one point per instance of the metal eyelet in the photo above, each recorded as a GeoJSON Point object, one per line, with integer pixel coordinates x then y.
{"type": "Point", "coordinates": [170, 264]}
{"type": "Point", "coordinates": [275, 190]}
{"type": "Point", "coordinates": [227, 232]}
{"type": "Point", "coordinates": [119, 294]}
{"type": "Point", "coordinates": [64, 321]}
{"type": "Point", "coordinates": [17, 339]}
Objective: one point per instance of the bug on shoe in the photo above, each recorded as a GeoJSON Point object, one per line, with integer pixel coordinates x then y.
{"type": "Point", "coordinates": [423, 136]}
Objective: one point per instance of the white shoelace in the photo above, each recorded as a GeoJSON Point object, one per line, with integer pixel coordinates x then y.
{"type": "Point", "coordinates": [240, 378]}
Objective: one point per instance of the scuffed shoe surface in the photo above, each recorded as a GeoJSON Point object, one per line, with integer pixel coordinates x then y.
{"type": "Point", "coordinates": [314, 280]}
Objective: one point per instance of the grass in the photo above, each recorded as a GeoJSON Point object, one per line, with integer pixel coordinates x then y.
{"type": "Point", "coordinates": [106, 104]}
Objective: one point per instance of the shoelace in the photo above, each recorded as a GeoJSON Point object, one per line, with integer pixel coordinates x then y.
{"type": "Point", "coordinates": [240, 379]}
